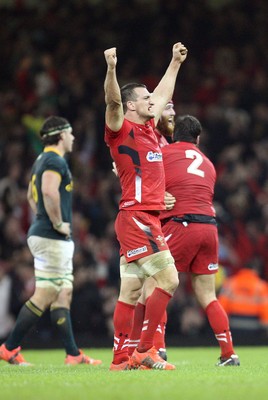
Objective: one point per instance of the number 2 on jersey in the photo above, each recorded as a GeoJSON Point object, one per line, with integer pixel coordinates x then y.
{"type": "Point", "coordinates": [194, 166]}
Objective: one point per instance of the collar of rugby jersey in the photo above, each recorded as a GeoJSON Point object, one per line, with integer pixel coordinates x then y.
{"type": "Point", "coordinates": [49, 148]}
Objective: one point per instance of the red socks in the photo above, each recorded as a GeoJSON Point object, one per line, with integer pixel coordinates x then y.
{"type": "Point", "coordinates": [137, 327]}
{"type": "Point", "coordinates": [159, 336]}
{"type": "Point", "coordinates": [219, 323]}
{"type": "Point", "coordinates": [155, 309]}
{"type": "Point", "coordinates": [123, 319]}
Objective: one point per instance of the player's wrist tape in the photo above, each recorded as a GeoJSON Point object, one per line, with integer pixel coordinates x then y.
{"type": "Point", "coordinates": [57, 226]}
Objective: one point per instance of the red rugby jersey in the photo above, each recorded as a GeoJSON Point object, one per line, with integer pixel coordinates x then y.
{"type": "Point", "coordinates": [138, 158]}
{"type": "Point", "coordinates": [162, 141]}
{"type": "Point", "coordinates": [190, 177]}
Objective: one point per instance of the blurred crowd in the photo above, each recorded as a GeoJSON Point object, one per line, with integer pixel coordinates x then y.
{"type": "Point", "coordinates": [53, 63]}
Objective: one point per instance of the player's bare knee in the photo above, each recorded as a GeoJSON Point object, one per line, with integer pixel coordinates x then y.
{"type": "Point", "coordinates": [174, 279]}
{"type": "Point", "coordinates": [43, 297]}
{"type": "Point", "coordinates": [130, 290]}
{"type": "Point", "coordinates": [130, 297]}
{"type": "Point", "coordinates": [135, 295]}
{"type": "Point", "coordinates": [64, 298]}
{"type": "Point", "coordinates": [204, 289]}
{"type": "Point", "coordinates": [205, 299]}
{"type": "Point", "coordinates": [168, 279]}
{"type": "Point", "coordinates": [148, 288]}
{"type": "Point", "coordinates": [162, 268]}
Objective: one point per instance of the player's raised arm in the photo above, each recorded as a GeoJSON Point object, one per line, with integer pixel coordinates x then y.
{"type": "Point", "coordinates": [114, 115]}
{"type": "Point", "coordinates": [164, 90]}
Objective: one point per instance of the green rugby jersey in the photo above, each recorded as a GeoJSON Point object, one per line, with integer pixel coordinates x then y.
{"type": "Point", "coordinates": [52, 161]}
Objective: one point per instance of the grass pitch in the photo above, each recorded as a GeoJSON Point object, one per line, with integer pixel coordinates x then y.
{"type": "Point", "coordinates": [196, 377]}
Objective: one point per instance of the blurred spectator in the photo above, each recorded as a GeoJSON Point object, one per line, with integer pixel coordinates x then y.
{"type": "Point", "coordinates": [87, 309]}
{"type": "Point", "coordinates": [9, 187]}
{"type": "Point", "coordinates": [185, 315]}
{"type": "Point", "coordinates": [16, 286]}
{"type": "Point", "coordinates": [244, 297]}
{"type": "Point", "coordinates": [6, 318]}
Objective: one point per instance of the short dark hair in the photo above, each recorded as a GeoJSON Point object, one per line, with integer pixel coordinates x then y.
{"type": "Point", "coordinates": [52, 128]}
{"type": "Point", "coordinates": [187, 129]}
{"type": "Point", "coordinates": [128, 93]}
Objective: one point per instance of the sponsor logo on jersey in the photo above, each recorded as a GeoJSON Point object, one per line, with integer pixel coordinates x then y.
{"type": "Point", "coordinates": [134, 252]}
{"type": "Point", "coordinates": [213, 267]}
{"type": "Point", "coordinates": [152, 157]}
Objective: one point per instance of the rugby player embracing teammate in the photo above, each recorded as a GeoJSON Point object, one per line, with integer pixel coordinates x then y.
{"type": "Point", "coordinates": [190, 227]}
{"type": "Point", "coordinates": [132, 113]}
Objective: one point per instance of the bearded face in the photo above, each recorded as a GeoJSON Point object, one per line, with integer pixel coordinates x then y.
{"type": "Point", "coordinates": [166, 122]}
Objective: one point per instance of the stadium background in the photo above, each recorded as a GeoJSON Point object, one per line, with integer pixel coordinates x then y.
{"type": "Point", "coordinates": [52, 63]}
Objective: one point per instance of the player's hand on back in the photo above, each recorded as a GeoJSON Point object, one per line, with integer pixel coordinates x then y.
{"type": "Point", "coordinates": [169, 201]}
